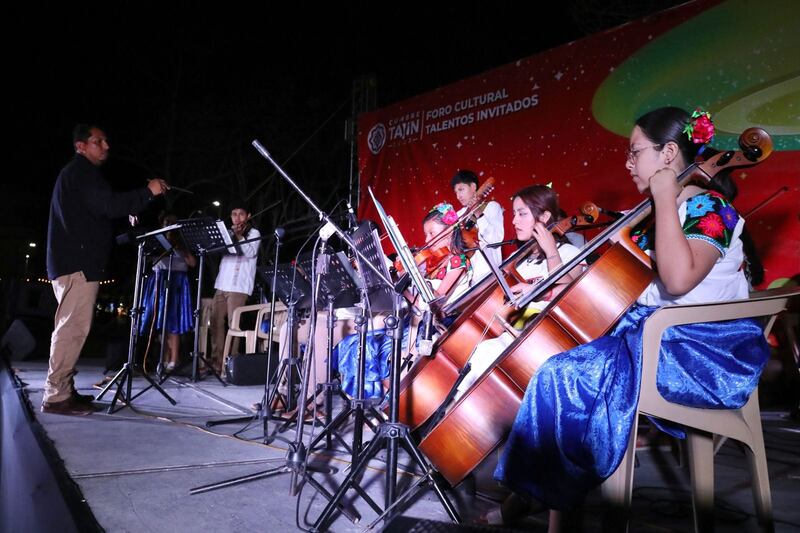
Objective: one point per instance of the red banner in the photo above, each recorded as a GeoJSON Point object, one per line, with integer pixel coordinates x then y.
{"type": "Point", "coordinates": [563, 116]}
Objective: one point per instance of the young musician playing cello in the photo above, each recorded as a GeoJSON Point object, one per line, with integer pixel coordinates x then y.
{"type": "Point", "coordinates": [572, 429]}
{"type": "Point", "coordinates": [535, 208]}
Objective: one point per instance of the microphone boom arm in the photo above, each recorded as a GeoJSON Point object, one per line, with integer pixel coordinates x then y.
{"type": "Point", "coordinates": [322, 215]}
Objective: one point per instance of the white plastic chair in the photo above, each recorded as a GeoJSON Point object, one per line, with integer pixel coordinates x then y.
{"type": "Point", "coordinates": [279, 319]}
{"type": "Point", "coordinates": [704, 427]}
{"type": "Point", "coordinates": [235, 331]}
{"type": "Point", "coordinates": [204, 327]}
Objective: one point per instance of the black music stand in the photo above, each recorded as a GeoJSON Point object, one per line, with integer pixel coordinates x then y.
{"type": "Point", "coordinates": [375, 296]}
{"type": "Point", "coordinates": [296, 457]}
{"type": "Point", "coordinates": [204, 236]}
{"type": "Point", "coordinates": [336, 287]}
{"type": "Point", "coordinates": [294, 290]}
{"type": "Point", "coordinates": [392, 434]}
{"type": "Point", "coordinates": [153, 241]}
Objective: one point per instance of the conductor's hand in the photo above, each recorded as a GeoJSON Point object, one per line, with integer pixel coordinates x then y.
{"type": "Point", "coordinates": [157, 186]}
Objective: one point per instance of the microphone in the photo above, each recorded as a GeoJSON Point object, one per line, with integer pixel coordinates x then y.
{"type": "Point", "coordinates": [351, 216]}
{"type": "Point", "coordinates": [279, 233]}
{"type": "Point", "coordinates": [425, 344]}
{"type": "Point", "coordinates": [327, 230]}
{"type": "Point", "coordinates": [322, 259]}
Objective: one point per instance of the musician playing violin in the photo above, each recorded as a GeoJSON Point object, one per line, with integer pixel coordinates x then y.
{"type": "Point", "coordinates": [573, 426]}
{"type": "Point", "coordinates": [535, 210]}
{"type": "Point", "coordinates": [171, 269]}
{"type": "Point", "coordinates": [447, 265]}
{"type": "Point", "coordinates": [235, 279]}
{"type": "Point", "coordinates": [489, 221]}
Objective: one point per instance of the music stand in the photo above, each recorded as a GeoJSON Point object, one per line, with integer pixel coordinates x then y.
{"type": "Point", "coordinates": [337, 287]}
{"type": "Point", "coordinates": [375, 296]}
{"type": "Point", "coordinates": [124, 378]}
{"type": "Point", "coordinates": [294, 290]}
{"type": "Point", "coordinates": [203, 236]}
{"type": "Point", "coordinates": [296, 457]}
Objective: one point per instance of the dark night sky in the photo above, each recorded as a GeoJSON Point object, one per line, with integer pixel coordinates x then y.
{"type": "Point", "coordinates": [181, 90]}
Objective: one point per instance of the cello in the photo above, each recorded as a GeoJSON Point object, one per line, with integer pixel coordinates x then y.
{"type": "Point", "coordinates": [428, 383]}
{"type": "Point", "coordinates": [589, 307]}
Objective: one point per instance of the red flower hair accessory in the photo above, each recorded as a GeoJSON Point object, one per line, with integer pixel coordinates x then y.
{"type": "Point", "coordinates": [700, 128]}
{"type": "Point", "coordinates": [449, 215]}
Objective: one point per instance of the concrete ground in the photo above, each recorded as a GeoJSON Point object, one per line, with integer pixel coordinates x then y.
{"type": "Point", "coordinates": [136, 467]}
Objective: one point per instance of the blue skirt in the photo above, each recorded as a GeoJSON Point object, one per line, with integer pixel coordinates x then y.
{"type": "Point", "coordinates": [378, 357]}
{"type": "Point", "coordinates": [572, 428]}
{"type": "Point", "coordinates": [179, 307]}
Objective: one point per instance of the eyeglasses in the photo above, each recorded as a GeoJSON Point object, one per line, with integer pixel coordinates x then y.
{"type": "Point", "coordinates": [633, 154]}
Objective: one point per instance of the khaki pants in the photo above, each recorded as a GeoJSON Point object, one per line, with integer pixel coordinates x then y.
{"type": "Point", "coordinates": [225, 303]}
{"type": "Point", "coordinates": [76, 298]}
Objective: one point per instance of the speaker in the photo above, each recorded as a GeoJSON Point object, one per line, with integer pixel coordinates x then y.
{"type": "Point", "coordinates": [249, 368]}
{"type": "Point", "coordinates": [18, 340]}
{"type": "Point", "coordinates": [28, 338]}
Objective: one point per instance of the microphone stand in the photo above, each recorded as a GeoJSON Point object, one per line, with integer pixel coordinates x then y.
{"type": "Point", "coordinates": [296, 462]}
{"type": "Point", "coordinates": [265, 413]}
{"type": "Point", "coordinates": [391, 435]}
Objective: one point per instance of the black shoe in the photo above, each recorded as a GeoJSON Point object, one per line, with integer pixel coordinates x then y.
{"type": "Point", "coordinates": [67, 407]}
{"type": "Point", "coordinates": [82, 398]}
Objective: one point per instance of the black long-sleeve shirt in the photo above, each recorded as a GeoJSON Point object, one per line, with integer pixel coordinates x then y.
{"type": "Point", "coordinates": [79, 233]}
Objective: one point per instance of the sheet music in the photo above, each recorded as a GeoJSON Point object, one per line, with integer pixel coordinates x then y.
{"type": "Point", "coordinates": [226, 238]}
{"type": "Point", "coordinates": [403, 252]}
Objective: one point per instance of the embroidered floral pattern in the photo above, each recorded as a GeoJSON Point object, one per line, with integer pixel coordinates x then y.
{"type": "Point", "coordinates": [710, 217]}
{"type": "Point", "coordinates": [729, 216]}
{"type": "Point", "coordinates": [712, 225]}
{"type": "Point", "coordinates": [699, 205]}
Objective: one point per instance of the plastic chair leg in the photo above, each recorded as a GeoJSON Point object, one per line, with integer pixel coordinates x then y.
{"type": "Point", "coordinates": [701, 466]}
{"type": "Point", "coordinates": [617, 490]}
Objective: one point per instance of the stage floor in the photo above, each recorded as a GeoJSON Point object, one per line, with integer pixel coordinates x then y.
{"type": "Point", "coordinates": [136, 467]}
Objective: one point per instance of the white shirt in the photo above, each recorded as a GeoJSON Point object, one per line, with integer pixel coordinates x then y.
{"type": "Point", "coordinates": [725, 282]}
{"type": "Point", "coordinates": [237, 273]}
{"type": "Point", "coordinates": [490, 231]}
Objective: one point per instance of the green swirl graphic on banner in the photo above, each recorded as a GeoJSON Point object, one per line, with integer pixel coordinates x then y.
{"type": "Point", "coordinates": [739, 60]}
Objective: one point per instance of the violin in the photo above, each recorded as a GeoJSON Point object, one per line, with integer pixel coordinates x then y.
{"type": "Point", "coordinates": [434, 253]}
{"type": "Point", "coordinates": [243, 228]}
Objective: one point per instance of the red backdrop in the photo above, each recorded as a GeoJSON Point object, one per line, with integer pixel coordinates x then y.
{"type": "Point", "coordinates": [563, 116]}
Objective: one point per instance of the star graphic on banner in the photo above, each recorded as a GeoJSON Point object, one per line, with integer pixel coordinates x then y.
{"type": "Point", "coordinates": [559, 75]}
{"type": "Point", "coordinates": [743, 175]}
{"type": "Point", "coordinates": [459, 145]}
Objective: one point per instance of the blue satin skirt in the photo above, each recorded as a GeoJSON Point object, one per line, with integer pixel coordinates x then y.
{"type": "Point", "coordinates": [572, 428]}
{"type": "Point", "coordinates": [378, 356]}
{"type": "Point", "coordinates": [179, 306]}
